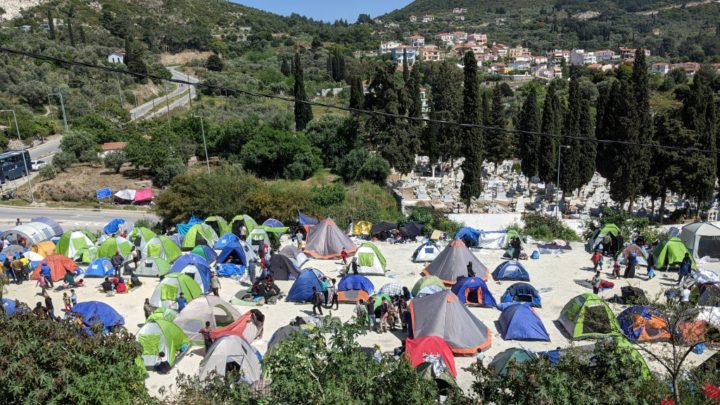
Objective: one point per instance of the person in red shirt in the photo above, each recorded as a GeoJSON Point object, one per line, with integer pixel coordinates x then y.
{"type": "Point", "coordinates": [344, 256]}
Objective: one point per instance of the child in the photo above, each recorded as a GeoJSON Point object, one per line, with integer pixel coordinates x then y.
{"type": "Point", "coordinates": [66, 301]}
{"type": "Point", "coordinates": [600, 263]}
{"type": "Point", "coordinates": [73, 297]}
{"type": "Point", "coordinates": [616, 269]}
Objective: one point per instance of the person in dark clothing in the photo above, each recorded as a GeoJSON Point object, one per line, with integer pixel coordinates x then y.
{"type": "Point", "coordinates": [205, 332]}
{"type": "Point", "coordinates": [117, 261]}
{"type": "Point", "coordinates": [470, 271]}
{"type": "Point", "coordinates": [353, 265]}
{"type": "Point", "coordinates": [317, 301]}
{"type": "Point", "coordinates": [333, 293]}
{"type": "Point", "coordinates": [515, 244]}
{"type": "Point", "coordinates": [7, 266]}
{"type": "Point", "coordinates": [49, 306]}
{"type": "Point", "coordinates": [685, 268]}
{"type": "Point", "coordinates": [107, 285]}
{"type": "Point", "coordinates": [40, 311]}
{"type": "Point", "coordinates": [162, 366]}
{"type": "Point", "coordinates": [406, 294]}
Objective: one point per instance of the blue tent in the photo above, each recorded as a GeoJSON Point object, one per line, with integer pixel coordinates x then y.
{"type": "Point", "coordinates": [113, 226]}
{"type": "Point", "coordinates": [306, 219]}
{"type": "Point", "coordinates": [356, 282]}
{"type": "Point", "coordinates": [8, 306]}
{"type": "Point", "coordinates": [200, 264]}
{"type": "Point", "coordinates": [273, 223]}
{"type": "Point", "coordinates": [101, 267]}
{"type": "Point", "coordinates": [469, 236]}
{"type": "Point", "coordinates": [301, 290]}
{"type": "Point", "coordinates": [209, 253]}
{"type": "Point", "coordinates": [225, 240]}
{"type": "Point", "coordinates": [473, 291]}
{"type": "Point", "coordinates": [177, 238]}
{"type": "Point", "coordinates": [520, 322]}
{"type": "Point", "coordinates": [521, 292]}
{"type": "Point", "coordinates": [94, 311]}
{"type": "Point", "coordinates": [229, 270]}
{"type": "Point", "coordinates": [511, 270]}
{"type": "Point", "coordinates": [234, 249]}
{"type": "Point", "coordinates": [184, 228]}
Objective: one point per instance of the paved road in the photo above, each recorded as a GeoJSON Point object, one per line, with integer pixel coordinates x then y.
{"type": "Point", "coordinates": [70, 218]}
{"type": "Point", "coordinates": [46, 149]}
{"type": "Point", "coordinates": [143, 111]}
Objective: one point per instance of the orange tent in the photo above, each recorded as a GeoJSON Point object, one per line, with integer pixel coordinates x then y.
{"type": "Point", "coordinates": [44, 248]}
{"type": "Point", "coordinates": [244, 327]}
{"type": "Point", "coordinates": [59, 265]}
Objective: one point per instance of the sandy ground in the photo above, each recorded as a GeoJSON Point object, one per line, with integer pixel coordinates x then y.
{"type": "Point", "coordinates": [554, 276]}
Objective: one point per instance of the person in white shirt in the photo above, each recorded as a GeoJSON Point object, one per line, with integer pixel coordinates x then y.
{"type": "Point", "coordinates": [685, 297]}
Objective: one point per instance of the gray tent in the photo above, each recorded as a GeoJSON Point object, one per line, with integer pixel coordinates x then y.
{"type": "Point", "coordinates": [282, 268]}
{"type": "Point", "coordinates": [442, 314]}
{"type": "Point", "coordinates": [452, 263]}
{"type": "Point", "coordinates": [325, 241]}
{"type": "Point", "coordinates": [206, 308]}
{"type": "Point", "coordinates": [232, 352]}
{"type": "Point", "coordinates": [702, 238]}
{"type": "Point", "coordinates": [281, 334]}
{"type": "Point", "coordinates": [296, 255]}
{"type": "Point", "coordinates": [152, 267]}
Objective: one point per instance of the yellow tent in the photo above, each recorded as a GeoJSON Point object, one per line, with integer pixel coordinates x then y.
{"type": "Point", "coordinates": [361, 228]}
{"type": "Point", "coordinates": [436, 235]}
{"type": "Point", "coordinates": [44, 248]}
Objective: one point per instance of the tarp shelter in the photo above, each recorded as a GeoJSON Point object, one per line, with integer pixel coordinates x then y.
{"type": "Point", "coordinates": [218, 224]}
{"type": "Point", "coordinates": [370, 261]}
{"type": "Point", "coordinates": [325, 241]}
{"type": "Point", "coordinates": [163, 247]}
{"type": "Point", "coordinates": [523, 293]}
{"type": "Point", "coordinates": [170, 288]}
{"type": "Point", "coordinates": [229, 270]}
{"type": "Point", "coordinates": [361, 228]}
{"type": "Point", "coordinates": [416, 350]}
{"type": "Point", "coordinates": [442, 314]}
{"type": "Point", "coordinates": [282, 268]}
{"type": "Point", "coordinates": [588, 316]}
{"type": "Point", "coordinates": [502, 360]}
{"type": "Point", "coordinates": [600, 234]}
{"type": "Point", "coordinates": [356, 282]}
{"type": "Point", "coordinates": [225, 240]}
{"type": "Point", "coordinates": [205, 252]}
{"type": "Point", "coordinates": [470, 236]}
{"type": "Point", "coordinates": [425, 282]}
{"type": "Point", "coordinates": [158, 336]}
{"type": "Point", "coordinates": [473, 291]}
{"type": "Point", "coordinates": [706, 277]}
{"type": "Point", "coordinates": [199, 234]}
{"type": "Point", "coordinates": [556, 247]}
{"type": "Point", "coordinates": [9, 306]}
{"type": "Point", "coordinates": [31, 232]}
{"type": "Point", "coordinates": [702, 238]}
{"type": "Point", "coordinates": [243, 326]}
{"type": "Point", "coordinates": [236, 251]}
{"type": "Point", "coordinates": [96, 311]}
{"type": "Point", "coordinates": [152, 267]}
{"type": "Point", "coordinates": [633, 250]}
{"type": "Point", "coordinates": [196, 267]}
{"type": "Point", "coordinates": [44, 248]}
{"type": "Point", "coordinates": [101, 267]}
{"type": "Point", "coordinates": [144, 195]}
{"type": "Point", "coordinates": [301, 290]}
{"type": "Point", "coordinates": [207, 308]}
{"type": "Point", "coordinates": [672, 253]}
{"type": "Point", "coordinates": [452, 263]}
{"type": "Point", "coordinates": [127, 195]}
{"type": "Point", "coordinates": [411, 230]}
{"type": "Point", "coordinates": [232, 353]}
{"type": "Point", "coordinates": [140, 237]}
{"type": "Point", "coordinates": [59, 265]}
{"type": "Point", "coordinates": [383, 229]}
{"type": "Point", "coordinates": [294, 254]}
{"type": "Point", "coordinates": [520, 322]}
{"type": "Point", "coordinates": [426, 252]}
{"type": "Point", "coordinates": [510, 270]}
{"type": "Point", "coordinates": [115, 226]}
{"type": "Point", "coordinates": [113, 245]}
{"type": "Point", "coordinates": [57, 229]}
{"type": "Point", "coordinates": [242, 220]}
{"type": "Point", "coordinates": [77, 246]}
{"type": "Point", "coordinates": [709, 295]}
{"type": "Point", "coordinates": [643, 324]}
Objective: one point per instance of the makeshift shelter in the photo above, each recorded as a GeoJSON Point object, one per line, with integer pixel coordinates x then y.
{"type": "Point", "coordinates": [588, 316]}
{"type": "Point", "coordinates": [152, 267]}
{"type": "Point", "coordinates": [709, 296]}
{"type": "Point", "coordinates": [158, 336]}
{"type": "Point", "coordinates": [9, 306]}
{"type": "Point", "coordinates": [196, 267]}
{"type": "Point", "coordinates": [520, 322]}
{"type": "Point", "coordinates": [642, 324]}
{"type": "Point", "coordinates": [59, 265]}
{"type": "Point", "coordinates": [636, 252]}
{"type": "Point", "coordinates": [473, 291]}
{"type": "Point", "coordinates": [56, 228]}
{"type": "Point", "coordinates": [417, 350]}
{"type": "Point", "coordinates": [163, 247]}
{"type": "Point", "coordinates": [325, 241]}
{"type": "Point", "coordinates": [242, 220]}
{"type": "Point", "coordinates": [521, 293]}
{"type": "Point", "coordinates": [599, 235]}
{"type": "Point", "coordinates": [425, 282]}
{"type": "Point", "coordinates": [218, 224]}
{"type": "Point", "coordinates": [92, 312]}
{"type": "Point", "coordinates": [245, 326]}
{"type": "Point", "coordinates": [502, 360]}
{"type": "Point", "coordinates": [706, 277]}
{"type": "Point", "coordinates": [236, 251]}
{"type": "Point", "coordinates": [232, 353]}
{"type": "Point", "coordinates": [205, 252]}
{"type": "Point", "coordinates": [383, 230]}
{"type": "Point", "coordinates": [452, 263]}
{"type": "Point", "coordinates": [113, 245]}
{"type": "Point", "coordinates": [144, 195]}
{"type": "Point", "coordinates": [356, 282]}
{"type": "Point", "coordinates": [301, 290]}
{"type": "Point", "coordinates": [702, 238]}
{"type": "Point", "coordinates": [115, 226]}
{"type": "Point", "coordinates": [125, 196]}
{"type": "Point", "coordinates": [207, 308]}
{"type": "Point", "coordinates": [101, 267]}
{"type": "Point", "coordinates": [361, 228]}
{"type": "Point", "coordinates": [170, 288]}
{"type": "Point", "coordinates": [510, 270]}
{"type": "Point", "coordinates": [77, 246]}
{"type": "Point", "coordinates": [294, 254]}
{"type": "Point", "coordinates": [442, 314]}
{"type": "Point", "coordinates": [31, 233]}
{"type": "Point", "coordinates": [411, 230]}
{"type": "Point", "coordinates": [282, 268]}
{"type": "Point", "coordinates": [370, 261]}
{"type": "Point", "coordinates": [391, 289]}
{"type": "Point", "coordinates": [199, 234]}
{"type": "Point", "coordinates": [556, 247]}
{"type": "Point", "coordinates": [672, 253]}
{"type": "Point", "coordinates": [426, 252]}
{"type": "Point", "coordinates": [140, 237]}
{"type": "Point", "coordinates": [225, 240]}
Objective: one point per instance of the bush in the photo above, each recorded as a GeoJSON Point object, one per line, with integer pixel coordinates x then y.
{"type": "Point", "coordinates": [63, 160]}
{"type": "Point", "coordinates": [82, 145]}
{"type": "Point", "coordinates": [273, 153]}
{"type": "Point", "coordinates": [546, 228]}
{"type": "Point", "coordinates": [114, 160]}
{"type": "Point", "coordinates": [165, 173]}
{"type": "Point", "coordinates": [361, 165]}
{"type": "Point", "coordinates": [47, 172]}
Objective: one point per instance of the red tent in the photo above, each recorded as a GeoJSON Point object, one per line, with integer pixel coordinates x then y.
{"type": "Point", "coordinates": [416, 349]}
{"type": "Point", "coordinates": [243, 327]}
{"type": "Point", "coordinates": [143, 195]}
{"type": "Point", "coordinates": [59, 265]}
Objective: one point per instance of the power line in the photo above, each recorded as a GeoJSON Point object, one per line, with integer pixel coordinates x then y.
{"type": "Point", "coordinates": [248, 93]}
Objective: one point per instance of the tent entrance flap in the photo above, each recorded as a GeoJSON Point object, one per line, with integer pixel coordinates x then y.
{"type": "Point", "coordinates": [708, 246]}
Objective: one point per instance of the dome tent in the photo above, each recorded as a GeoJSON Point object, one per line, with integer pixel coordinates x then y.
{"type": "Point", "coordinates": [296, 255]}
{"type": "Point", "coordinates": [702, 238]}
{"type": "Point", "coordinates": [633, 250]}
{"type": "Point", "coordinates": [588, 316]}
{"type": "Point", "coordinates": [207, 308]}
{"type": "Point", "coordinates": [196, 267]}
{"type": "Point", "coordinates": [391, 289]}
{"type": "Point", "coordinates": [452, 263]}
{"type": "Point", "coordinates": [473, 291]}
{"type": "Point", "coordinates": [199, 234]}
{"type": "Point", "coordinates": [521, 293]}
{"type": "Point", "coordinates": [113, 245]}
{"type": "Point", "coordinates": [599, 234]}
{"type": "Point", "coordinates": [225, 240]}
{"type": "Point", "coordinates": [282, 268]}
{"type": "Point", "coordinates": [101, 267]}
{"type": "Point", "coordinates": [301, 290]}
{"type": "Point", "coordinates": [140, 236]}
{"type": "Point", "coordinates": [417, 349]}
{"type": "Point", "coordinates": [643, 324]}
{"type": "Point", "coordinates": [427, 252]}
{"type": "Point", "coordinates": [163, 247]}
{"type": "Point", "coordinates": [354, 287]}
{"type": "Point", "coordinates": [218, 224]}
{"type": "Point", "coordinates": [520, 322]}
{"type": "Point", "coordinates": [170, 288]}
{"type": "Point", "coordinates": [672, 253]}
{"type": "Point", "coordinates": [152, 267]}
{"type": "Point", "coordinates": [77, 246]}
{"type": "Point", "coordinates": [158, 336]}
{"type": "Point", "coordinates": [249, 326]}
{"type": "Point", "coordinates": [242, 220]}
{"type": "Point", "coordinates": [511, 270]}
{"type": "Point", "coordinates": [425, 282]}
{"type": "Point", "coordinates": [370, 261]}
{"type": "Point", "coordinates": [205, 252]}
{"type": "Point", "coordinates": [59, 265]}
{"type": "Point", "coordinates": [232, 353]}
{"type": "Point", "coordinates": [92, 312]}
{"type": "Point", "coordinates": [500, 362]}
{"type": "Point", "coordinates": [325, 241]}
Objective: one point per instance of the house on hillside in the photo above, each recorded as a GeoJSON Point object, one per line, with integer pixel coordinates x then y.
{"type": "Point", "coordinates": [579, 57]}
{"type": "Point", "coordinates": [604, 55]}
{"type": "Point", "coordinates": [428, 18]}
{"type": "Point", "coordinates": [117, 56]}
{"type": "Point", "coordinates": [109, 147]}
{"type": "Point", "coordinates": [629, 53]}
{"type": "Point", "coordinates": [387, 47]}
{"type": "Point", "coordinates": [459, 10]}
{"type": "Point", "coordinates": [518, 51]}
{"type": "Point", "coordinates": [404, 51]}
{"type": "Point", "coordinates": [444, 38]}
{"type": "Point", "coordinates": [690, 68]}
{"type": "Point", "coordinates": [480, 39]}
{"type": "Point", "coordinates": [662, 68]}
{"type": "Point", "coordinates": [416, 41]}
{"type": "Point", "coordinates": [430, 53]}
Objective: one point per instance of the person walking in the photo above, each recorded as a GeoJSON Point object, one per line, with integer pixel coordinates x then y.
{"type": "Point", "coordinates": [650, 265]}
{"type": "Point", "coordinates": [117, 261]}
{"type": "Point", "coordinates": [206, 334]}
{"type": "Point", "coordinates": [384, 313]}
{"type": "Point", "coordinates": [595, 259]}
{"type": "Point", "coordinates": [333, 292]}
{"type": "Point", "coordinates": [317, 300]}
{"type": "Point", "coordinates": [181, 302]}
{"type": "Point", "coordinates": [47, 275]}
{"type": "Point", "coordinates": [214, 284]}
{"type": "Point", "coordinates": [616, 269]}
{"type": "Point", "coordinates": [344, 255]}
{"type": "Point", "coordinates": [49, 307]}
{"type": "Point", "coordinates": [685, 268]}
{"type": "Point", "coordinates": [324, 286]}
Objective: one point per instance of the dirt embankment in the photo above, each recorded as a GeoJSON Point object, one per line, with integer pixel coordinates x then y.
{"type": "Point", "coordinates": [80, 182]}
{"type": "Point", "coordinates": [183, 58]}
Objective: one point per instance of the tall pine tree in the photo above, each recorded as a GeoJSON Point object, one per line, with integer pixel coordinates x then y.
{"type": "Point", "coordinates": [497, 140]}
{"type": "Point", "coordinates": [405, 66]}
{"type": "Point", "coordinates": [303, 111]}
{"type": "Point", "coordinates": [552, 123]}
{"type": "Point", "coordinates": [473, 137]}
{"type": "Point", "coordinates": [70, 16]}
{"type": "Point", "coordinates": [577, 163]}
{"type": "Point", "coordinates": [530, 120]}
{"type": "Point", "coordinates": [51, 23]}
{"type": "Point", "coordinates": [442, 142]}
{"type": "Point", "coordinates": [412, 92]}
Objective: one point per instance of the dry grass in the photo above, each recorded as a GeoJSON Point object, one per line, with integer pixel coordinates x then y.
{"type": "Point", "coordinates": [183, 58]}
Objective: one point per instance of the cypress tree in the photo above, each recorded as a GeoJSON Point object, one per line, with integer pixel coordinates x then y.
{"type": "Point", "coordinates": [285, 67]}
{"type": "Point", "coordinates": [303, 111]}
{"type": "Point", "coordinates": [70, 15]}
{"type": "Point", "coordinates": [441, 142]}
{"type": "Point", "coordinates": [486, 96]}
{"type": "Point", "coordinates": [641, 87]}
{"type": "Point", "coordinates": [577, 163]}
{"type": "Point", "coordinates": [497, 140]}
{"type": "Point", "coordinates": [51, 23]}
{"type": "Point", "coordinates": [552, 116]}
{"type": "Point", "coordinates": [473, 139]}
{"type": "Point", "coordinates": [357, 97]}
{"type": "Point", "coordinates": [405, 67]}
{"type": "Point", "coordinates": [530, 120]}
{"type": "Point", "coordinates": [81, 33]}
{"type": "Point", "coordinates": [412, 90]}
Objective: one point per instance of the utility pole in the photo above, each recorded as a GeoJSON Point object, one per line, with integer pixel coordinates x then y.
{"type": "Point", "coordinates": [202, 128]}
{"type": "Point", "coordinates": [25, 166]}
{"type": "Point", "coordinates": [62, 107]}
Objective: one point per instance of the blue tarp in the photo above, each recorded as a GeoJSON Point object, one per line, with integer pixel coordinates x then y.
{"type": "Point", "coordinates": [103, 193]}
{"type": "Point", "coordinates": [511, 270]}
{"type": "Point", "coordinates": [94, 311]}
{"type": "Point", "coordinates": [519, 322]}
{"type": "Point", "coordinates": [229, 270]}
{"type": "Point", "coordinates": [356, 282]}
{"type": "Point", "coordinates": [184, 228]}
{"type": "Point", "coordinates": [225, 240]}
{"type": "Point", "coordinates": [522, 292]}
{"type": "Point", "coordinates": [473, 291]}
{"type": "Point", "coordinates": [306, 219]}
{"type": "Point", "coordinates": [468, 235]}
{"type": "Point", "coordinates": [113, 226]}
{"type": "Point", "coordinates": [199, 262]}
{"type": "Point", "coordinates": [8, 306]}
{"type": "Point", "coordinates": [234, 249]}
{"type": "Point", "coordinates": [101, 267]}
{"type": "Point", "coordinates": [301, 290]}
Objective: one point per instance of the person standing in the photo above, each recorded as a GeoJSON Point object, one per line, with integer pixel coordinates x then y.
{"type": "Point", "coordinates": [685, 268]}
{"type": "Point", "coordinates": [214, 284]}
{"type": "Point", "coordinates": [317, 300]}
{"type": "Point", "coordinates": [595, 259]}
{"type": "Point", "coordinates": [344, 255]}
{"type": "Point", "coordinates": [361, 313]}
{"type": "Point", "coordinates": [73, 297]}
{"type": "Point", "coordinates": [650, 265]}
{"type": "Point", "coordinates": [354, 265]}
{"type": "Point", "coordinates": [47, 275]}
{"type": "Point", "coordinates": [596, 283]}
{"type": "Point", "coordinates": [117, 261]}
{"type": "Point", "coordinates": [206, 334]}
{"type": "Point", "coordinates": [135, 257]}
{"type": "Point", "coordinates": [251, 270]}
{"type": "Point", "coordinates": [49, 306]}
{"type": "Point", "coordinates": [67, 302]}
{"type": "Point", "coordinates": [18, 222]}
{"type": "Point", "coordinates": [371, 313]}
{"type": "Point", "coordinates": [324, 286]}
{"type": "Point", "coordinates": [7, 266]}
{"type": "Point", "coordinates": [616, 269]}
{"type": "Point", "coordinates": [181, 302]}
{"type": "Point", "coordinates": [332, 291]}
{"type": "Point", "coordinates": [515, 243]}
{"type": "Point", "coordinates": [384, 313]}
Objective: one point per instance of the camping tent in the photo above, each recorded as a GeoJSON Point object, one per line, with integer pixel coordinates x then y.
{"type": "Point", "coordinates": [356, 282]}
{"type": "Point", "coordinates": [600, 234]}
{"type": "Point", "coordinates": [232, 353]}
{"type": "Point", "coordinates": [199, 234]}
{"type": "Point", "coordinates": [470, 236]}
{"type": "Point", "coordinates": [416, 350]}
{"type": "Point", "coordinates": [218, 224]}
{"type": "Point", "coordinates": [59, 265]}
{"type": "Point", "coordinates": [196, 267]}
{"type": "Point", "coordinates": [282, 268]}
{"type": "Point", "coordinates": [77, 246]}
{"type": "Point", "coordinates": [236, 251]}
{"type": "Point", "coordinates": [92, 312]}
{"type": "Point", "coordinates": [294, 254]}
{"type": "Point", "coordinates": [425, 282]}
{"type": "Point", "coordinates": [32, 232]}
{"type": "Point", "coordinates": [207, 308]}
{"type": "Point", "coordinates": [442, 314]}
{"type": "Point", "coordinates": [170, 288]}
{"type": "Point", "coordinates": [520, 322]}
{"type": "Point", "coordinates": [521, 292]}
{"type": "Point", "coordinates": [57, 229]}
{"type": "Point", "coordinates": [452, 263]}
{"type": "Point", "coordinates": [44, 248]}
{"type": "Point", "coordinates": [301, 290]}
{"type": "Point", "coordinates": [158, 336]}
{"type": "Point", "coordinates": [140, 237]}
{"type": "Point", "coordinates": [242, 220]}
{"type": "Point", "coordinates": [244, 326]}
{"type": "Point", "coordinates": [101, 267]}
{"type": "Point", "coordinates": [163, 247]}
{"type": "Point", "coordinates": [325, 241]}
{"type": "Point", "coordinates": [642, 324]}
{"type": "Point", "coordinates": [183, 228]}
{"type": "Point", "coordinates": [282, 333]}
{"type": "Point", "coordinates": [115, 244]}
{"type": "Point", "coordinates": [225, 240]}
{"type": "Point", "coordinates": [672, 253]}
{"type": "Point", "coordinates": [637, 251]}
{"type": "Point", "coordinates": [426, 252]}
{"type": "Point", "coordinates": [361, 228]}
{"type": "Point", "coordinates": [702, 238]}
{"type": "Point", "coordinates": [370, 260]}
{"type": "Point", "coordinates": [500, 362]}
{"type": "Point", "coordinates": [391, 289]}
{"type": "Point", "coordinates": [510, 270]}
{"type": "Point", "coordinates": [588, 316]}
{"type": "Point", "coordinates": [205, 252]}
{"type": "Point", "coordinates": [473, 291]}
{"type": "Point", "coordinates": [152, 267]}
{"type": "Point", "coordinates": [114, 226]}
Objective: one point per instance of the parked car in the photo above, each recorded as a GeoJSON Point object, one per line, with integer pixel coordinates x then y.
{"type": "Point", "coordinates": [38, 164]}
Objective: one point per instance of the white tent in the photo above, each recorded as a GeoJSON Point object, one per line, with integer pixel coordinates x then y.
{"type": "Point", "coordinates": [426, 252]}
{"type": "Point", "coordinates": [127, 195]}
{"type": "Point", "coordinates": [370, 260]}
{"type": "Point", "coordinates": [207, 308]}
{"type": "Point", "coordinates": [33, 232]}
{"type": "Point", "coordinates": [702, 239]}
{"type": "Point", "coordinates": [230, 352]}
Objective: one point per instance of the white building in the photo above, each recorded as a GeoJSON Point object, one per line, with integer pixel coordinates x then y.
{"type": "Point", "coordinates": [416, 41]}
{"type": "Point", "coordinates": [580, 57]}
{"type": "Point", "coordinates": [662, 68]}
{"type": "Point", "coordinates": [605, 55]}
{"type": "Point", "coordinates": [480, 39]}
{"type": "Point", "coordinates": [117, 56]}
{"type": "Point", "coordinates": [387, 47]}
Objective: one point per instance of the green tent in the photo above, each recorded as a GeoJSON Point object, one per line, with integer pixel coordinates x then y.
{"type": "Point", "coordinates": [375, 249]}
{"type": "Point", "coordinates": [218, 224]}
{"type": "Point", "coordinates": [600, 234]}
{"type": "Point", "coordinates": [161, 336]}
{"type": "Point", "coordinates": [77, 246]}
{"type": "Point", "coordinates": [165, 314]}
{"type": "Point", "coordinates": [163, 247]}
{"type": "Point", "coordinates": [671, 253]}
{"type": "Point", "coordinates": [511, 233]}
{"type": "Point", "coordinates": [427, 281]}
{"type": "Point", "coordinates": [625, 344]}
{"type": "Point", "coordinates": [152, 267]}
{"type": "Point", "coordinates": [141, 236]}
{"type": "Point", "coordinates": [588, 316]}
{"type": "Point", "coordinates": [170, 288]}
{"type": "Point", "coordinates": [115, 244]}
{"type": "Point", "coordinates": [240, 220]}
{"type": "Point", "coordinates": [500, 362]}
{"type": "Point", "coordinates": [609, 229]}
{"type": "Point", "coordinates": [199, 234]}
{"type": "Point", "coordinates": [445, 381]}
{"type": "Point", "coordinates": [379, 298]}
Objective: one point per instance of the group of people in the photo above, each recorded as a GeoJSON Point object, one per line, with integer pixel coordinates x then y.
{"type": "Point", "coordinates": [327, 296]}
{"type": "Point", "coordinates": [17, 269]}
{"type": "Point", "coordinates": [385, 316]}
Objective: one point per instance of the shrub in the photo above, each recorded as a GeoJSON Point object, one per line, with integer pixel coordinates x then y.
{"type": "Point", "coordinates": [544, 227]}
{"type": "Point", "coordinates": [47, 172]}
{"type": "Point", "coordinates": [78, 144]}
{"type": "Point", "coordinates": [114, 160]}
{"type": "Point", "coordinates": [63, 160]}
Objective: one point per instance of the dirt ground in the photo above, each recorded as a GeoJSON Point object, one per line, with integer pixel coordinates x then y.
{"type": "Point", "coordinates": [182, 58]}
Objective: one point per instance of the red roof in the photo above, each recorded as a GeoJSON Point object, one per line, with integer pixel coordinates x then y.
{"type": "Point", "coordinates": [113, 146]}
